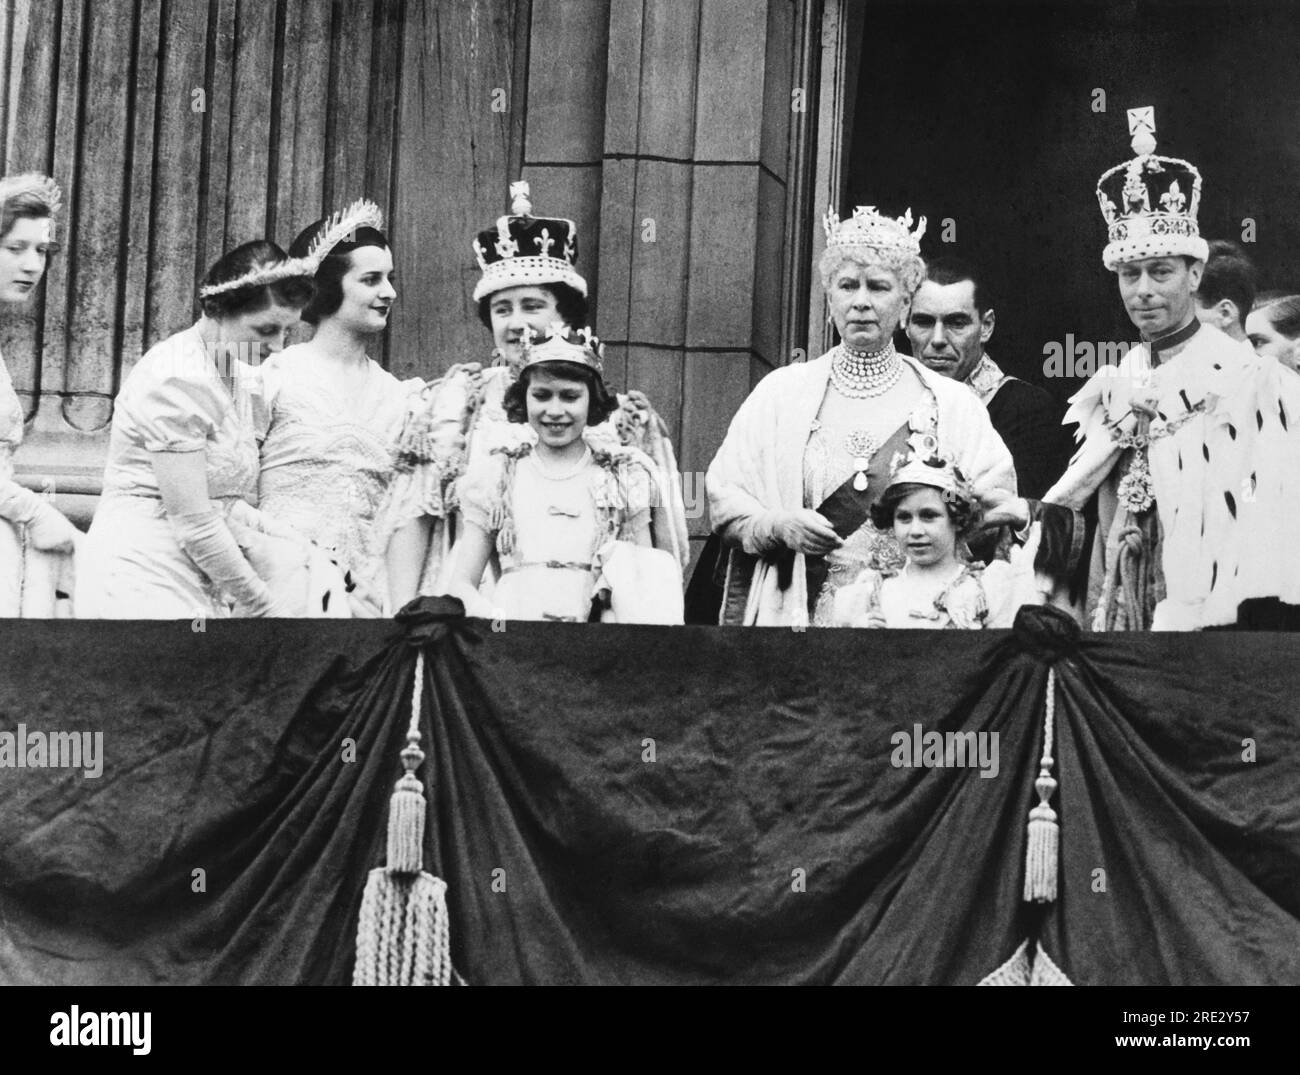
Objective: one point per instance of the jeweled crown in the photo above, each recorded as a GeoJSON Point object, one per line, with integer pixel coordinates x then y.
{"type": "Point", "coordinates": [561, 343]}
{"type": "Point", "coordinates": [936, 471]}
{"type": "Point", "coordinates": [521, 249]}
{"type": "Point", "coordinates": [1150, 202]}
{"type": "Point", "coordinates": [866, 227]}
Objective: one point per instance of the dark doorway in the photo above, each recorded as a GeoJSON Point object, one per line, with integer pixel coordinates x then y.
{"type": "Point", "coordinates": [982, 112]}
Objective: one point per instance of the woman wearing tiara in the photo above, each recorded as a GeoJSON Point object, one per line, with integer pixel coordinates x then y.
{"type": "Point", "coordinates": [331, 415]}
{"type": "Point", "coordinates": [175, 535]}
{"type": "Point", "coordinates": [36, 542]}
{"type": "Point", "coordinates": [528, 281]}
{"type": "Point", "coordinates": [564, 515]}
{"type": "Point", "coordinates": [810, 450]}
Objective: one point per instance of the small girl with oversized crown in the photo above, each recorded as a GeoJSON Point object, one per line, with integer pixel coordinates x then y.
{"type": "Point", "coordinates": [931, 509]}
{"type": "Point", "coordinates": [566, 516]}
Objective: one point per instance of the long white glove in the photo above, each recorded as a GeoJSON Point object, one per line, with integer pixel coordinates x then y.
{"type": "Point", "coordinates": [47, 529]}
{"type": "Point", "coordinates": [210, 544]}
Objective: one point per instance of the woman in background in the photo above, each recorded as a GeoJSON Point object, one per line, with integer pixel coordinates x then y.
{"type": "Point", "coordinates": [172, 531]}
{"type": "Point", "coordinates": [1273, 327]}
{"type": "Point", "coordinates": [36, 541]}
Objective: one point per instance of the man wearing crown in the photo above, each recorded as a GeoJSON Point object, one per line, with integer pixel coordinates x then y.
{"type": "Point", "coordinates": [1189, 450]}
{"type": "Point", "coordinates": [529, 283]}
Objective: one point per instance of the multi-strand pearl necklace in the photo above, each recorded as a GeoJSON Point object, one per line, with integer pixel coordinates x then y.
{"type": "Point", "coordinates": [864, 374]}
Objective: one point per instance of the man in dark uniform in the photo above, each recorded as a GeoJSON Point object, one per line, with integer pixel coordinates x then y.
{"type": "Point", "coordinates": [951, 322]}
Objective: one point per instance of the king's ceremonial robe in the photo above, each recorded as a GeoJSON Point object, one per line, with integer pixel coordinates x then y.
{"type": "Point", "coordinates": [1223, 453]}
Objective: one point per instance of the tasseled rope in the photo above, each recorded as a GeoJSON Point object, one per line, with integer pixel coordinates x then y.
{"type": "Point", "coordinates": [1042, 854]}
{"type": "Point", "coordinates": [402, 935]}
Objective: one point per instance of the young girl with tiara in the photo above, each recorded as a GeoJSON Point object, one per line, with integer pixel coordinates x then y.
{"type": "Point", "coordinates": [566, 516]}
{"type": "Point", "coordinates": [931, 509]}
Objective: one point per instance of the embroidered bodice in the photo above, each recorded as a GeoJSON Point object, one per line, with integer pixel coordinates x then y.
{"type": "Point", "coordinates": [548, 527]}
{"type": "Point", "coordinates": [967, 597]}
{"type": "Point", "coordinates": [175, 400]}
{"type": "Point", "coordinates": [326, 461]}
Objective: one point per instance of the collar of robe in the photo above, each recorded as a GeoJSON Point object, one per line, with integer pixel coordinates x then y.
{"type": "Point", "coordinates": [1174, 339]}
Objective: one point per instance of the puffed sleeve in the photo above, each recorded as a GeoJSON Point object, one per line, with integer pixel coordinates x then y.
{"type": "Point", "coordinates": [431, 451]}
{"type": "Point", "coordinates": [180, 406]}
{"type": "Point", "coordinates": [482, 493]}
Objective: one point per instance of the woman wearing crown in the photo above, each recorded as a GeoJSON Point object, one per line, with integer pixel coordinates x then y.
{"type": "Point", "coordinates": [810, 450]}
{"type": "Point", "coordinates": [564, 515]}
{"type": "Point", "coordinates": [36, 542]}
{"type": "Point", "coordinates": [528, 282]}
{"type": "Point", "coordinates": [175, 534]}
{"type": "Point", "coordinates": [329, 414]}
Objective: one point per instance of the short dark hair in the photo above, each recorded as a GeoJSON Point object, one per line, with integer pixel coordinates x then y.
{"type": "Point", "coordinates": [1283, 312]}
{"type": "Point", "coordinates": [296, 291]}
{"type": "Point", "coordinates": [950, 269]}
{"type": "Point", "coordinates": [965, 514]}
{"type": "Point", "coordinates": [329, 275]}
{"type": "Point", "coordinates": [570, 304]}
{"type": "Point", "coordinates": [30, 204]}
{"type": "Point", "coordinates": [1229, 274]}
{"type": "Point", "coordinates": [602, 403]}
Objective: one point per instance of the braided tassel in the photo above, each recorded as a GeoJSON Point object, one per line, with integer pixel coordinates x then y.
{"type": "Point", "coordinates": [1043, 852]}
{"type": "Point", "coordinates": [402, 934]}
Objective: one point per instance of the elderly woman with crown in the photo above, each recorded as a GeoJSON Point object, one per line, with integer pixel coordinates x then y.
{"type": "Point", "coordinates": [36, 542]}
{"type": "Point", "coordinates": [1190, 448]}
{"type": "Point", "coordinates": [529, 281]}
{"type": "Point", "coordinates": [810, 451]}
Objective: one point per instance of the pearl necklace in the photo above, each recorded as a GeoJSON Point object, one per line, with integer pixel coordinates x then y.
{"type": "Point", "coordinates": [865, 374]}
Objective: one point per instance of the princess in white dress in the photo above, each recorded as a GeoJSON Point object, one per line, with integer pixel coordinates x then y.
{"type": "Point", "coordinates": [330, 416]}
{"type": "Point", "coordinates": [565, 517]}
{"type": "Point", "coordinates": [36, 541]}
{"type": "Point", "coordinates": [528, 280]}
{"type": "Point", "coordinates": [930, 508]}
{"type": "Point", "coordinates": [175, 534]}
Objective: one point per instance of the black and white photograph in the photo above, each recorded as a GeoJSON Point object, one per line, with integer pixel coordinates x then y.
{"type": "Point", "coordinates": [647, 376]}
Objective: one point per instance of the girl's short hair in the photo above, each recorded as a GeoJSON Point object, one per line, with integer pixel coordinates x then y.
{"type": "Point", "coordinates": [295, 291]}
{"type": "Point", "coordinates": [329, 276]}
{"type": "Point", "coordinates": [965, 514]}
{"type": "Point", "coordinates": [602, 402]}
{"type": "Point", "coordinates": [570, 304]}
